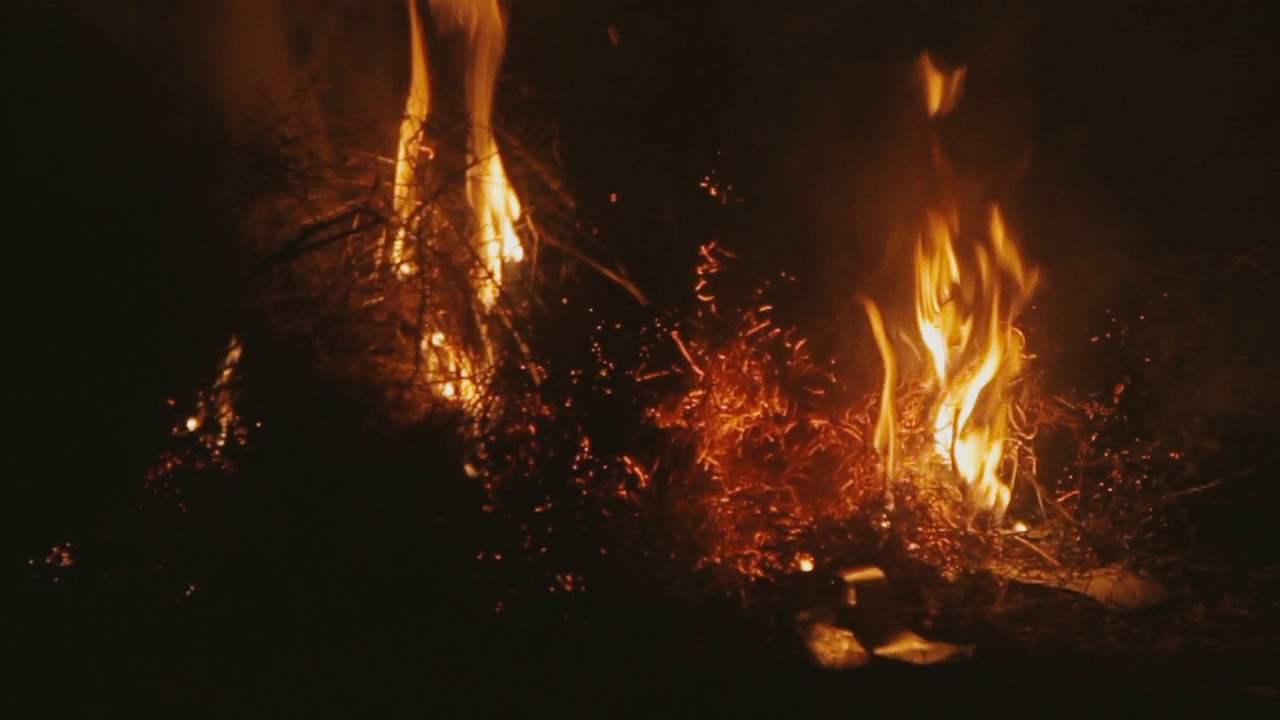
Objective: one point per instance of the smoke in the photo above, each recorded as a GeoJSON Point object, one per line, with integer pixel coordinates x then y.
{"type": "Point", "coordinates": [254, 70]}
{"type": "Point", "coordinates": [328, 70]}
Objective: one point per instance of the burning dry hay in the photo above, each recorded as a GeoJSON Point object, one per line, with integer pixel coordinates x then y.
{"type": "Point", "coordinates": [410, 276]}
{"type": "Point", "coordinates": [776, 465]}
{"type": "Point", "coordinates": [420, 332]}
{"type": "Point", "coordinates": [777, 475]}
{"type": "Point", "coordinates": [419, 292]}
{"type": "Point", "coordinates": [768, 459]}
{"type": "Point", "coordinates": [417, 277]}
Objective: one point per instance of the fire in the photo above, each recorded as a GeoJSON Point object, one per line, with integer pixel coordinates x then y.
{"type": "Point", "coordinates": [409, 150]}
{"type": "Point", "coordinates": [887, 420]}
{"type": "Point", "coordinates": [494, 201]}
{"type": "Point", "coordinates": [772, 455]}
{"type": "Point", "coordinates": [209, 436]}
{"type": "Point", "coordinates": [451, 368]}
{"type": "Point", "coordinates": [965, 309]}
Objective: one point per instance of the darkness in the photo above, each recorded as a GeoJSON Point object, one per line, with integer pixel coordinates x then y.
{"type": "Point", "coordinates": [1132, 144]}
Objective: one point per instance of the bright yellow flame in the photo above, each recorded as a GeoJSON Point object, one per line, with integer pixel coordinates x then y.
{"type": "Point", "coordinates": [492, 198]}
{"type": "Point", "coordinates": [941, 90]}
{"type": "Point", "coordinates": [409, 150]}
{"type": "Point", "coordinates": [965, 316]}
{"type": "Point", "coordinates": [939, 316]}
{"type": "Point", "coordinates": [450, 367]}
{"type": "Point", "coordinates": [886, 424]}
{"type": "Point", "coordinates": [972, 373]}
{"type": "Point", "coordinates": [193, 424]}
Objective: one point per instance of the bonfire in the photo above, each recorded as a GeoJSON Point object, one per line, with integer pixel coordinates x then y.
{"type": "Point", "coordinates": [745, 465]}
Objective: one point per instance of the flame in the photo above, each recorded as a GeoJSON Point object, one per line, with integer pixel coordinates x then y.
{"type": "Point", "coordinates": [964, 319]}
{"type": "Point", "coordinates": [884, 437]}
{"type": "Point", "coordinates": [771, 458]}
{"type": "Point", "coordinates": [451, 369]}
{"type": "Point", "coordinates": [941, 90]}
{"type": "Point", "coordinates": [409, 151]}
{"type": "Point", "coordinates": [494, 201]}
{"type": "Point", "coordinates": [449, 366]}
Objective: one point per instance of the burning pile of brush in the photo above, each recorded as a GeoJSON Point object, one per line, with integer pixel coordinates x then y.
{"type": "Point", "coordinates": [782, 477]}
{"type": "Point", "coordinates": [419, 283]}
{"type": "Point", "coordinates": [413, 288]}
{"type": "Point", "coordinates": [410, 273]}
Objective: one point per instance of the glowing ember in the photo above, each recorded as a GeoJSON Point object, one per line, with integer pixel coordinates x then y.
{"type": "Point", "coordinates": [941, 90]}
{"type": "Point", "coordinates": [226, 411]}
{"type": "Point", "coordinates": [964, 312]}
{"type": "Point", "coordinates": [770, 459]}
{"type": "Point", "coordinates": [215, 417]}
{"type": "Point", "coordinates": [207, 437]}
{"type": "Point", "coordinates": [450, 368]}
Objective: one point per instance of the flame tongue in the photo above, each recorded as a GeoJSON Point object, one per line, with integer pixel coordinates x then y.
{"type": "Point", "coordinates": [941, 89]}
{"type": "Point", "coordinates": [450, 366]}
{"type": "Point", "coordinates": [492, 198]}
{"type": "Point", "coordinates": [886, 426]}
{"type": "Point", "coordinates": [964, 320]}
{"type": "Point", "coordinates": [409, 150]}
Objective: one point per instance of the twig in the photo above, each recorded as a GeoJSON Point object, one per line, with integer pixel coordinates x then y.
{"type": "Point", "coordinates": [623, 282]}
{"type": "Point", "coordinates": [1038, 551]}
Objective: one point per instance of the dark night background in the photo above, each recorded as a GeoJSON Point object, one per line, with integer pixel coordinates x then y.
{"type": "Point", "coordinates": [1133, 144]}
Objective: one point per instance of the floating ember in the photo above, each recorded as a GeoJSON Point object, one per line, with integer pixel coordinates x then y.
{"type": "Point", "coordinates": [771, 458]}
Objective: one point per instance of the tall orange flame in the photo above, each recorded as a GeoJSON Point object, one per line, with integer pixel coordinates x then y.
{"type": "Point", "coordinates": [409, 150]}
{"type": "Point", "coordinates": [496, 206]}
{"type": "Point", "coordinates": [449, 366]}
{"type": "Point", "coordinates": [884, 440]}
{"type": "Point", "coordinates": [965, 323]}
